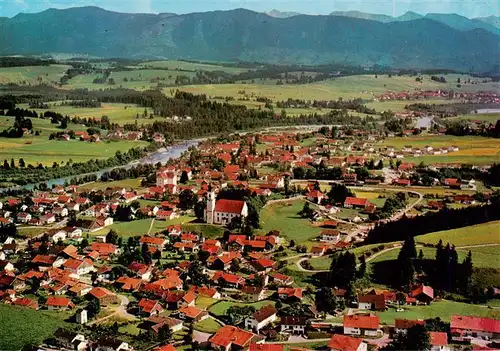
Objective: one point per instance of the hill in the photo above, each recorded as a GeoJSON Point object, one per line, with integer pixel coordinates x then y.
{"type": "Point", "coordinates": [250, 36]}
{"type": "Point", "coordinates": [281, 14]}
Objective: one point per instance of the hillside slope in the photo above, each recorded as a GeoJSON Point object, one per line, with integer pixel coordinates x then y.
{"type": "Point", "coordinates": [250, 36]}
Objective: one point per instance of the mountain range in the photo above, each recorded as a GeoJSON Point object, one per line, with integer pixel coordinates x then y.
{"type": "Point", "coordinates": [251, 36]}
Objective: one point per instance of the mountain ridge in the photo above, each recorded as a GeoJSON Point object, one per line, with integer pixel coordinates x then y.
{"type": "Point", "coordinates": [250, 36]}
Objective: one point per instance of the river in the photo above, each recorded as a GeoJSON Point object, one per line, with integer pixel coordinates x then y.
{"type": "Point", "coordinates": [161, 155]}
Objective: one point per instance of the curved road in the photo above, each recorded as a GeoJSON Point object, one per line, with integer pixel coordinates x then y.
{"type": "Point", "coordinates": [120, 311]}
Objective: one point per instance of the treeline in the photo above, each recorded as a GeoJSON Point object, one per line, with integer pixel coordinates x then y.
{"type": "Point", "coordinates": [463, 128]}
{"type": "Point", "coordinates": [355, 104]}
{"type": "Point", "coordinates": [9, 61]}
{"type": "Point", "coordinates": [434, 222]}
{"type": "Point", "coordinates": [82, 103]}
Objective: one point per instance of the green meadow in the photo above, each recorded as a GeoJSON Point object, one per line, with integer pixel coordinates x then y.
{"type": "Point", "coordinates": [33, 75]}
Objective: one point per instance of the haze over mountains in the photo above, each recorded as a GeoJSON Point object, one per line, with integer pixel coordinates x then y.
{"type": "Point", "coordinates": [408, 41]}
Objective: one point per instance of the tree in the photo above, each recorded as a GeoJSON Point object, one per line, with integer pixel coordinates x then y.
{"type": "Point", "coordinates": [416, 338]}
{"type": "Point", "coordinates": [164, 333]}
{"type": "Point", "coordinates": [22, 164]}
{"type": "Point", "coordinates": [362, 266]}
{"type": "Point", "coordinates": [146, 255]}
{"type": "Point", "coordinates": [326, 301]}
{"type": "Point", "coordinates": [184, 177]}
{"type": "Point", "coordinates": [338, 193]}
{"type": "Point", "coordinates": [187, 199]}
{"type": "Point", "coordinates": [93, 308]}
{"type": "Point", "coordinates": [112, 237]}
{"type": "Point", "coordinates": [466, 274]}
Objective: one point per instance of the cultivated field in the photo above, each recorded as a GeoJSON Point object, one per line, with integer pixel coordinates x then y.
{"type": "Point", "coordinates": [472, 149]}
{"type": "Point", "coordinates": [21, 326]}
{"type": "Point", "coordinates": [141, 227]}
{"type": "Point", "coordinates": [191, 66]}
{"type": "Point", "coordinates": [117, 113]}
{"type": "Point", "coordinates": [32, 75]}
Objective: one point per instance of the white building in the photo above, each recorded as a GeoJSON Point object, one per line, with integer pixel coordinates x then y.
{"type": "Point", "coordinates": [261, 318]}
{"type": "Point", "coordinates": [223, 211]}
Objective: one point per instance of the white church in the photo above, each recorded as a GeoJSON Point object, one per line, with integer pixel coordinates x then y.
{"type": "Point", "coordinates": [223, 211]}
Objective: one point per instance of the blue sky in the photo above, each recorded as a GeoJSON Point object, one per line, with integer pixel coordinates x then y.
{"type": "Point", "coordinates": [468, 8]}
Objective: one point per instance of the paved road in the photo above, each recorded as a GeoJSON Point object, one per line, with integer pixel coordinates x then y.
{"type": "Point", "coordinates": [120, 311]}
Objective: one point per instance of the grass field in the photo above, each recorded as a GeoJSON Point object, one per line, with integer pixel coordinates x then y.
{"type": "Point", "coordinates": [116, 112]}
{"type": "Point", "coordinates": [39, 149]}
{"type": "Point", "coordinates": [32, 75]}
{"type": "Point", "coordinates": [472, 149]}
{"type": "Point", "coordinates": [21, 326]}
{"type": "Point", "coordinates": [486, 117]}
{"type": "Point", "coordinates": [204, 302]}
{"type": "Point", "coordinates": [486, 233]}
{"type": "Point", "coordinates": [191, 66]}
{"type": "Point", "coordinates": [208, 325]}
{"type": "Point", "coordinates": [208, 230]}
{"type": "Point", "coordinates": [221, 307]}
{"type": "Point", "coordinates": [443, 309]}
{"type": "Point", "coordinates": [140, 227]}
{"type": "Point", "coordinates": [124, 183]}
{"type": "Point", "coordinates": [284, 217]}
{"type": "Point", "coordinates": [360, 86]}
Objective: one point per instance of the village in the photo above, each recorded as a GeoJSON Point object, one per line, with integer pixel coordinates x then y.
{"type": "Point", "coordinates": [206, 271]}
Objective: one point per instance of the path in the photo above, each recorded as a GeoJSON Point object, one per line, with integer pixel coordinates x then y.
{"type": "Point", "coordinates": [151, 226]}
{"type": "Point", "coordinates": [120, 311]}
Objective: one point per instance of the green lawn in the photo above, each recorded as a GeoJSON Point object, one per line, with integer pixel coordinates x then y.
{"type": "Point", "coordinates": [221, 307]}
{"type": "Point", "coordinates": [191, 66]}
{"type": "Point", "coordinates": [208, 325]}
{"type": "Point", "coordinates": [208, 230]}
{"type": "Point", "coordinates": [321, 263]}
{"type": "Point", "coordinates": [124, 183]}
{"type": "Point", "coordinates": [485, 233]}
{"type": "Point", "coordinates": [204, 302]}
{"type": "Point", "coordinates": [20, 326]}
{"type": "Point", "coordinates": [443, 309]}
{"type": "Point", "coordinates": [284, 217]}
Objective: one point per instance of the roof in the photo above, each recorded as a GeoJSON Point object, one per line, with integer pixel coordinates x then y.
{"type": "Point", "coordinates": [266, 347]}
{"type": "Point", "coordinates": [99, 292]}
{"type": "Point", "coordinates": [356, 201]}
{"type": "Point", "coordinates": [344, 343]}
{"type": "Point", "coordinates": [168, 347]}
{"type": "Point", "coordinates": [293, 320]}
{"type": "Point", "coordinates": [58, 301]}
{"type": "Point", "coordinates": [296, 292]}
{"type": "Point", "coordinates": [423, 289]}
{"type": "Point", "coordinates": [264, 313]}
{"type": "Point", "coordinates": [147, 305]}
{"type": "Point", "coordinates": [475, 323]}
{"type": "Point", "coordinates": [438, 338]}
{"type": "Point", "coordinates": [366, 321]}
{"type": "Point", "coordinates": [229, 334]}
{"type": "Point", "coordinates": [377, 300]}
{"type": "Point", "coordinates": [190, 311]}
{"type": "Point", "coordinates": [408, 323]}
{"type": "Point", "coordinates": [229, 206]}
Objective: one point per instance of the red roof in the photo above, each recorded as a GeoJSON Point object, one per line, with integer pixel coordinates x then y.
{"type": "Point", "coordinates": [489, 325]}
{"type": "Point", "coordinates": [229, 206]}
{"type": "Point", "coordinates": [266, 347]}
{"type": "Point", "coordinates": [423, 289]}
{"type": "Point", "coordinates": [344, 343]}
{"type": "Point", "coordinates": [99, 292]}
{"type": "Point", "coordinates": [408, 323]}
{"type": "Point", "coordinates": [438, 338]}
{"type": "Point", "coordinates": [356, 201]}
{"type": "Point", "coordinates": [148, 306]}
{"type": "Point", "coordinates": [168, 347]}
{"type": "Point", "coordinates": [59, 301]}
{"type": "Point", "coordinates": [229, 334]}
{"type": "Point", "coordinates": [366, 321]}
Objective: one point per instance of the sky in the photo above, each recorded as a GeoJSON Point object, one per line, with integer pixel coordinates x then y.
{"type": "Point", "coordinates": [468, 8]}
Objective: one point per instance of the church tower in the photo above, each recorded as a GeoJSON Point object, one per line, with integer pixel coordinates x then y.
{"type": "Point", "coordinates": [210, 210]}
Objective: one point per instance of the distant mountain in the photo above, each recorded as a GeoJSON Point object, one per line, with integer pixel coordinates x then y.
{"type": "Point", "coordinates": [363, 15]}
{"type": "Point", "coordinates": [280, 14]}
{"type": "Point", "coordinates": [493, 20]}
{"type": "Point", "coordinates": [250, 36]}
{"type": "Point", "coordinates": [461, 22]}
{"type": "Point", "coordinates": [491, 24]}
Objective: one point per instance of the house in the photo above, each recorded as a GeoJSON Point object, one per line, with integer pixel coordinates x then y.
{"type": "Point", "coordinates": [23, 217]}
{"type": "Point", "coordinates": [128, 284]}
{"type": "Point", "coordinates": [231, 338]}
{"type": "Point", "coordinates": [290, 294]}
{"type": "Point", "coordinates": [330, 236]}
{"type": "Point", "coordinates": [465, 328]}
{"type": "Point", "coordinates": [158, 321]}
{"type": "Point", "coordinates": [159, 243]}
{"type": "Point", "coordinates": [48, 218]}
{"type": "Point", "coordinates": [148, 307]}
{"type": "Point", "coordinates": [439, 341]}
{"type": "Point", "coordinates": [25, 302]}
{"type": "Point", "coordinates": [402, 325]}
{"type": "Point", "coordinates": [254, 293]}
{"type": "Point", "coordinates": [340, 342]}
{"type": "Point", "coordinates": [264, 265]}
{"type": "Point", "coordinates": [110, 344]}
{"type": "Point", "coordinates": [70, 340]}
{"type": "Point", "coordinates": [261, 318]}
{"type": "Point", "coordinates": [293, 324]}
{"type": "Point", "coordinates": [361, 325]}
{"type": "Point", "coordinates": [223, 211]}
{"type": "Point", "coordinates": [176, 299]}
{"type": "Point", "coordinates": [78, 267]}
{"type": "Point", "coordinates": [371, 302]}
{"type": "Point", "coordinates": [143, 271]}
{"type": "Point", "coordinates": [281, 279]}
{"type": "Point", "coordinates": [165, 215]}
{"type": "Point", "coordinates": [424, 294]}
{"type": "Point", "coordinates": [266, 347]}
{"type": "Point", "coordinates": [316, 196]}
{"type": "Point", "coordinates": [104, 296]}
{"type": "Point", "coordinates": [228, 279]}
{"type": "Point", "coordinates": [192, 314]}
{"type": "Point", "coordinates": [59, 303]}
{"type": "Point", "coordinates": [453, 183]}
{"type": "Point", "coordinates": [355, 202]}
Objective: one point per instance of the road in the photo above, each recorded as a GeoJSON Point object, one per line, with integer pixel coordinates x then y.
{"type": "Point", "coordinates": [121, 311]}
